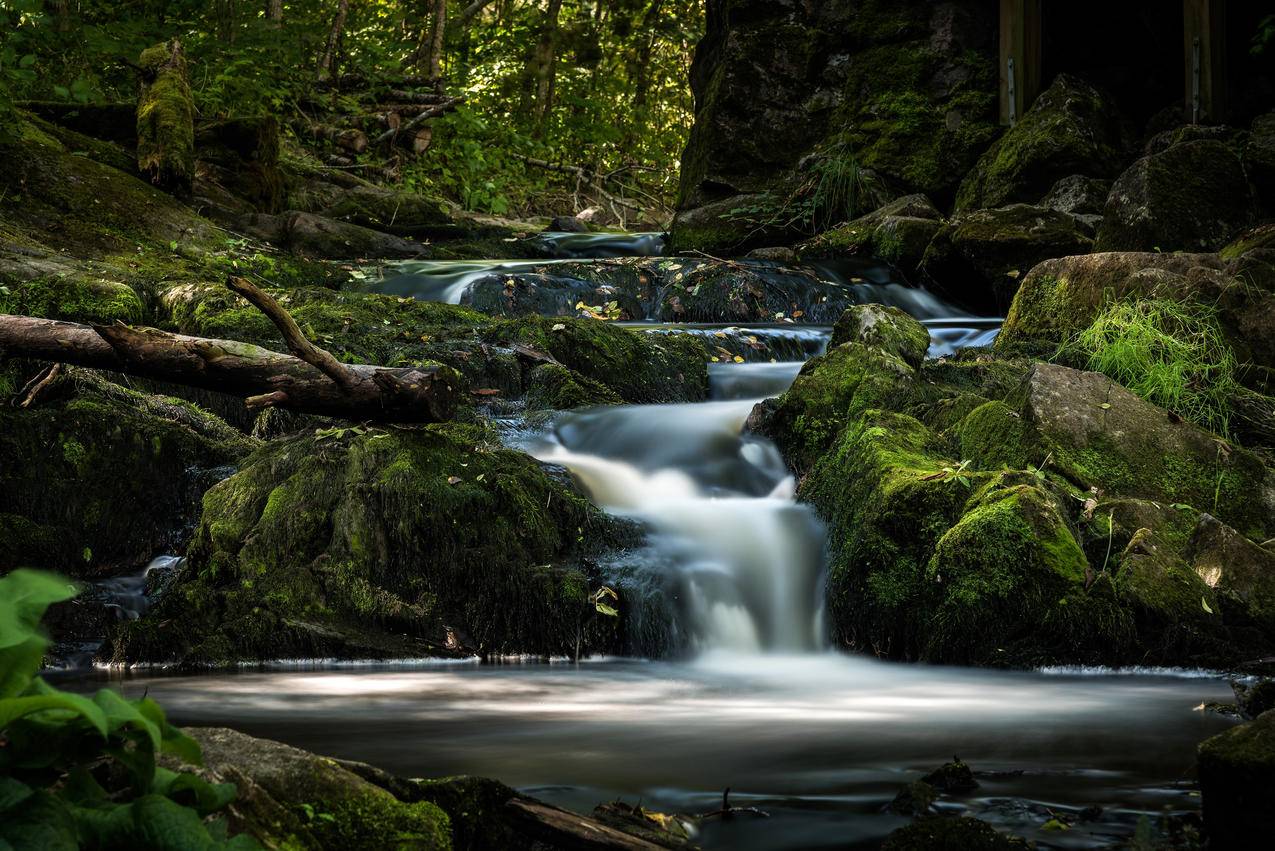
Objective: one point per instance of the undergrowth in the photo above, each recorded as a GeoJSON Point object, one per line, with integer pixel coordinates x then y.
{"type": "Point", "coordinates": [1171, 353]}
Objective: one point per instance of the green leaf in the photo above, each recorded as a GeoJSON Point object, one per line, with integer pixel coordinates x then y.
{"type": "Point", "coordinates": [13, 708]}
{"type": "Point", "coordinates": [41, 822]}
{"type": "Point", "coordinates": [1205, 604]}
{"type": "Point", "coordinates": [12, 793]}
{"type": "Point", "coordinates": [604, 609]}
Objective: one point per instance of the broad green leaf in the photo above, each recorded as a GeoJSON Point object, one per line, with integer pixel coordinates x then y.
{"type": "Point", "coordinates": [13, 792]}
{"type": "Point", "coordinates": [41, 822]}
{"type": "Point", "coordinates": [175, 741]}
{"type": "Point", "coordinates": [13, 708]}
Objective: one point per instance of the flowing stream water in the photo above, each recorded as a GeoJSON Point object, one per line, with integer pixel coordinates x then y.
{"type": "Point", "coordinates": [756, 702]}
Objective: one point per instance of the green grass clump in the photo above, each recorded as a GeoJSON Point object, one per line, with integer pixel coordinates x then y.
{"type": "Point", "coordinates": [1171, 353]}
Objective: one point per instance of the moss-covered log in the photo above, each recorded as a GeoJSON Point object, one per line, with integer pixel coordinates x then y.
{"type": "Point", "coordinates": [166, 119]}
{"type": "Point", "coordinates": [266, 379]}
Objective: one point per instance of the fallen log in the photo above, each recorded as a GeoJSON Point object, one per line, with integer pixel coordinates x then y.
{"type": "Point", "coordinates": [309, 381]}
{"type": "Point", "coordinates": [346, 138]}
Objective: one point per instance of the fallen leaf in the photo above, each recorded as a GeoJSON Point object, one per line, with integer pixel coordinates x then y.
{"type": "Point", "coordinates": [1205, 604]}
{"type": "Point", "coordinates": [453, 480]}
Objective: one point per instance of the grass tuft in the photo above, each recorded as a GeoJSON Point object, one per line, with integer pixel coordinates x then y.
{"type": "Point", "coordinates": [1171, 353]}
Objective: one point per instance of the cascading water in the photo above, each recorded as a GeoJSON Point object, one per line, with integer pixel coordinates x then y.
{"type": "Point", "coordinates": [743, 558]}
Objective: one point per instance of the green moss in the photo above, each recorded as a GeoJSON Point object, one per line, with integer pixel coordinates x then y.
{"type": "Point", "coordinates": [101, 302]}
{"type": "Point", "coordinates": [364, 543]}
{"type": "Point", "coordinates": [166, 118]}
{"type": "Point", "coordinates": [994, 436]}
{"type": "Point", "coordinates": [554, 387]}
{"type": "Point", "coordinates": [111, 470]}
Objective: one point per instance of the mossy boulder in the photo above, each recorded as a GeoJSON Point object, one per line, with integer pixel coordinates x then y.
{"type": "Point", "coordinates": [1060, 298]}
{"type": "Point", "coordinates": [1194, 196]}
{"type": "Point", "coordinates": [99, 478]}
{"type": "Point", "coordinates": [1237, 780]}
{"type": "Point", "coordinates": [553, 387]}
{"type": "Point", "coordinates": [886, 328]}
{"type": "Point", "coordinates": [315, 236]}
{"type": "Point", "coordinates": [1240, 572]}
{"type": "Point", "coordinates": [289, 798]}
{"type": "Point", "coordinates": [979, 257]}
{"type": "Point", "coordinates": [371, 543]}
{"type": "Point", "coordinates": [1070, 129]}
{"type": "Point", "coordinates": [898, 232]}
{"type": "Point", "coordinates": [399, 213]}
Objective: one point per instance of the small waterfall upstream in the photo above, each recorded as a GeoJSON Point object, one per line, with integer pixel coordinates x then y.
{"type": "Point", "coordinates": [744, 559]}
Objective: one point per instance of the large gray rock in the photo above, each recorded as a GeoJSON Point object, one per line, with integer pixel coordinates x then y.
{"type": "Point", "coordinates": [311, 235]}
{"type": "Point", "coordinates": [1070, 129]}
{"type": "Point", "coordinates": [980, 256]}
{"type": "Point", "coordinates": [1241, 572]}
{"type": "Point", "coordinates": [1194, 196]}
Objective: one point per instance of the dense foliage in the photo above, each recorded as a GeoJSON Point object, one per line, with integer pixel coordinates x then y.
{"type": "Point", "coordinates": [597, 84]}
{"type": "Point", "coordinates": [81, 772]}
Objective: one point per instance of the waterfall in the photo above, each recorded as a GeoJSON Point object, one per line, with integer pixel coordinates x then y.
{"type": "Point", "coordinates": [742, 557]}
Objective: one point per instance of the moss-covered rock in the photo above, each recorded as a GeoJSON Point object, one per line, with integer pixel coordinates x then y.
{"type": "Point", "coordinates": [1237, 779]}
{"type": "Point", "coordinates": [1194, 196]}
{"type": "Point", "coordinates": [399, 213]}
{"type": "Point", "coordinates": [383, 543]}
{"type": "Point", "coordinates": [898, 232]}
{"type": "Point", "coordinates": [315, 236]}
{"type": "Point", "coordinates": [1241, 573]}
{"type": "Point", "coordinates": [99, 477]}
{"type": "Point", "coordinates": [979, 257]}
{"type": "Point", "coordinates": [288, 798]}
{"type": "Point", "coordinates": [166, 119]}
{"type": "Point", "coordinates": [553, 387]}
{"type": "Point", "coordinates": [886, 328]}
{"type": "Point", "coordinates": [1070, 129]}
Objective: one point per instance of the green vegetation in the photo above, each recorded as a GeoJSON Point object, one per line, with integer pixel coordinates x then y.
{"type": "Point", "coordinates": [81, 772]}
{"type": "Point", "coordinates": [1171, 353]}
{"type": "Point", "coordinates": [575, 83]}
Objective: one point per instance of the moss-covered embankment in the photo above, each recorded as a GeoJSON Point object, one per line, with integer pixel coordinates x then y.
{"type": "Point", "coordinates": [1009, 512]}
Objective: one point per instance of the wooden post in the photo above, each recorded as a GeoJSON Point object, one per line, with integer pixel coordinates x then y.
{"type": "Point", "coordinates": [1204, 49]}
{"type": "Point", "coordinates": [1020, 57]}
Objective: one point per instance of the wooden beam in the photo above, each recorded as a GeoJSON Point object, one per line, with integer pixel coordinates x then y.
{"type": "Point", "coordinates": [1020, 57]}
{"type": "Point", "coordinates": [1204, 51]}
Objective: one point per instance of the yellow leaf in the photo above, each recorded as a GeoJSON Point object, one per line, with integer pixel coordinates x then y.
{"type": "Point", "coordinates": [738, 359]}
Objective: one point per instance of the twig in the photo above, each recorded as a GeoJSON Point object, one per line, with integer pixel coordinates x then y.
{"type": "Point", "coordinates": [38, 386]}
{"type": "Point", "coordinates": [729, 812]}
{"type": "Point", "coordinates": [433, 112]}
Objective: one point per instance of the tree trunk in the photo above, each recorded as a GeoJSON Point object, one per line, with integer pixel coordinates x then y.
{"type": "Point", "coordinates": [328, 60]}
{"type": "Point", "coordinates": [437, 33]}
{"type": "Point", "coordinates": [274, 12]}
{"type": "Point", "coordinates": [545, 64]}
{"type": "Point", "coordinates": [166, 119]}
{"type": "Point", "coordinates": [642, 73]}
{"type": "Point", "coordinates": [310, 381]}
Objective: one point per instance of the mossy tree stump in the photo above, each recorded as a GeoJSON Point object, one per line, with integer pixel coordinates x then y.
{"type": "Point", "coordinates": [166, 119]}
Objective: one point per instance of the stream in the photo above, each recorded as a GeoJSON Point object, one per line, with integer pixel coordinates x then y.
{"type": "Point", "coordinates": [727, 590]}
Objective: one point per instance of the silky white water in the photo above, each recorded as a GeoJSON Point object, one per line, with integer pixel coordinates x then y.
{"type": "Point", "coordinates": [745, 559]}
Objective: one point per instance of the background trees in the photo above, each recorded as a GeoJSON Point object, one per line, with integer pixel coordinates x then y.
{"type": "Point", "coordinates": [598, 84]}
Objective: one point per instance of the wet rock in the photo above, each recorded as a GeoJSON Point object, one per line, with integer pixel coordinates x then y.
{"type": "Point", "coordinates": [1194, 196]}
{"type": "Point", "coordinates": [567, 224]}
{"type": "Point", "coordinates": [98, 478]}
{"type": "Point", "coordinates": [553, 387]}
{"type": "Point", "coordinates": [1237, 780]}
{"type": "Point", "coordinates": [915, 799]}
{"type": "Point", "coordinates": [951, 832]}
{"type": "Point", "coordinates": [361, 543]}
{"type": "Point", "coordinates": [311, 235]}
{"type": "Point", "coordinates": [898, 232]}
{"type": "Point", "coordinates": [1241, 572]}
{"type": "Point", "coordinates": [1168, 597]}
{"type": "Point", "coordinates": [979, 257]}
{"type": "Point", "coordinates": [1070, 129]}
{"type": "Point", "coordinates": [953, 777]}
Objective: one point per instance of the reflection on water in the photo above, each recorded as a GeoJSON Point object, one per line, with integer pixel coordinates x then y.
{"type": "Point", "coordinates": [821, 741]}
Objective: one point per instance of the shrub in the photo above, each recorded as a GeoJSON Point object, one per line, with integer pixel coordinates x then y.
{"type": "Point", "coordinates": [1171, 353]}
{"type": "Point", "coordinates": [81, 772]}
